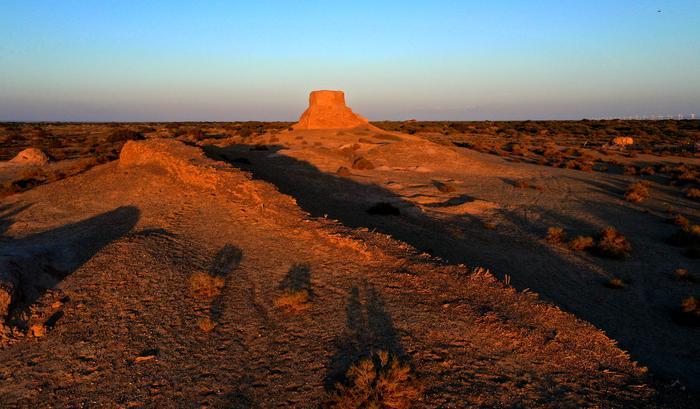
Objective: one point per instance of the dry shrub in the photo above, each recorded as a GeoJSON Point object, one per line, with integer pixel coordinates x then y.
{"type": "Point", "coordinates": [637, 192]}
{"type": "Point", "coordinates": [380, 381]}
{"type": "Point", "coordinates": [293, 301]}
{"type": "Point", "coordinates": [647, 170]}
{"type": "Point", "coordinates": [681, 221]}
{"type": "Point", "coordinates": [615, 283]}
{"type": "Point", "coordinates": [613, 244]}
{"type": "Point", "coordinates": [581, 243]}
{"type": "Point", "coordinates": [206, 286]}
{"type": "Point", "coordinates": [630, 170]}
{"type": "Point", "coordinates": [556, 235]}
{"type": "Point", "coordinates": [689, 312]}
{"type": "Point", "coordinates": [693, 193]}
{"type": "Point", "coordinates": [685, 275]}
{"type": "Point", "coordinates": [206, 324]}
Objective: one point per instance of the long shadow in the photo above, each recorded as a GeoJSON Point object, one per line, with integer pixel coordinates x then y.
{"type": "Point", "coordinates": [225, 261]}
{"type": "Point", "coordinates": [32, 265]}
{"type": "Point", "coordinates": [560, 278]}
{"type": "Point", "coordinates": [369, 328]}
{"type": "Point", "coordinates": [6, 213]}
{"type": "Point", "coordinates": [298, 278]}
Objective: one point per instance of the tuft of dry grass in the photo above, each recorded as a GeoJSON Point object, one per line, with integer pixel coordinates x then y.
{"type": "Point", "coordinates": [613, 244]}
{"type": "Point", "coordinates": [637, 192]}
{"type": "Point", "coordinates": [581, 243]}
{"type": "Point", "coordinates": [206, 286]}
{"type": "Point", "coordinates": [693, 193]}
{"type": "Point", "coordinates": [683, 274]}
{"type": "Point", "coordinates": [206, 324]}
{"type": "Point", "coordinates": [689, 312]}
{"type": "Point", "coordinates": [681, 221]}
{"type": "Point", "coordinates": [647, 171]}
{"type": "Point", "coordinates": [293, 301]}
{"type": "Point", "coordinates": [379, 381]}
{"type": "Point", "coordinates": [556, 235]}
{"type": "Point", "coordinates": [615, 283]}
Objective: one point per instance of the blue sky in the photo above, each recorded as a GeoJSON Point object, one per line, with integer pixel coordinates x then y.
{"type": "Point", "coordinates": [227, 60]}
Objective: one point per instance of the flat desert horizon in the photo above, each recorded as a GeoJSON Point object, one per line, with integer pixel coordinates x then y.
{"type": "Point", "coordinates": [339, 262]}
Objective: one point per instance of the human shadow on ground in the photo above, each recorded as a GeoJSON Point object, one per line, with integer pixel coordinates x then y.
{"type": "Point", "coordinates": [298, 278]}
{"type": "Point", "coordinates": [226, 260]}
{"type": "Point", "coordinates": [36, 263]}
{"type": "Point", "coordinates": [517, 248]}
{"type": "Point", "coordinates": [369, 329]}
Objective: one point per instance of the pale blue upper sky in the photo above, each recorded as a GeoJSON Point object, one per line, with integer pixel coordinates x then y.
{"type": "Point", "coordinates": [228, 60]}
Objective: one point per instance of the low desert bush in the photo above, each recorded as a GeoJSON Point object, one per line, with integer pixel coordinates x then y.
{"type": "Point", "coordinates": [637, 192]}
{"type": "Point", "coordinates": [293, 301]}
{"type": "Point", "coordinates": [613, 244]}
{"type": "Point", "coordinates": [204, 285]}
{"type": "Point", "coordinates": [582, 243]}
{"type": "Point", "coordinates": [692, 193]}
{"type": "Point", "coordinates": [206, 324]}
{"type": "Point", "coordinates": [681, 221]}
{"type": "Point", "coordinates": [683, 274]}
{"type": "Point", "coordinates": [689, 312]}
{"type": "Point", "coordinates": [647, 171]}
{"type": "Point", "coordinates": [380, 381]}
{"type": "Point", "coordinates": [556, 235]}
{"type": "Point", "coordinates": [630, 170]}
{"type": "Point", "coordinates": [615, 283]}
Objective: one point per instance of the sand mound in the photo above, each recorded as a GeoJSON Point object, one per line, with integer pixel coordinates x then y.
{"type": "Point", "coordinates": [191, 166]}
{"type": "Point", "coordinates": [327, 110]}
{"type": "Point", "coordinates": [31, 156]}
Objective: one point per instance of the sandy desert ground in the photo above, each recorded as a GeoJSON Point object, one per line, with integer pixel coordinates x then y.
{"type": "Point", "coordinates": [304, 266]}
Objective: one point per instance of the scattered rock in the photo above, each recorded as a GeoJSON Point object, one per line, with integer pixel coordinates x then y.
{"type": "Point", "coordinates": [362, 164]}
{"type": "Point", "coordinates": [444, 187]}
{"type": "Point", "coordinates": [343, 171]}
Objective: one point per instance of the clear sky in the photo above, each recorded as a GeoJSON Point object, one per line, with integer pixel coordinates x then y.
{"type": "Point", "coordinates": [257, 60]}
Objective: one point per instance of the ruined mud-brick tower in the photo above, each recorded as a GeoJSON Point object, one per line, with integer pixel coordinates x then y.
{"type": "Point", "coordinates": [327, 110]}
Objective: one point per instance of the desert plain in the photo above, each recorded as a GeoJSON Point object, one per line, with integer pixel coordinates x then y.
{"type": "Point", "coordinates": [335, 262]}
